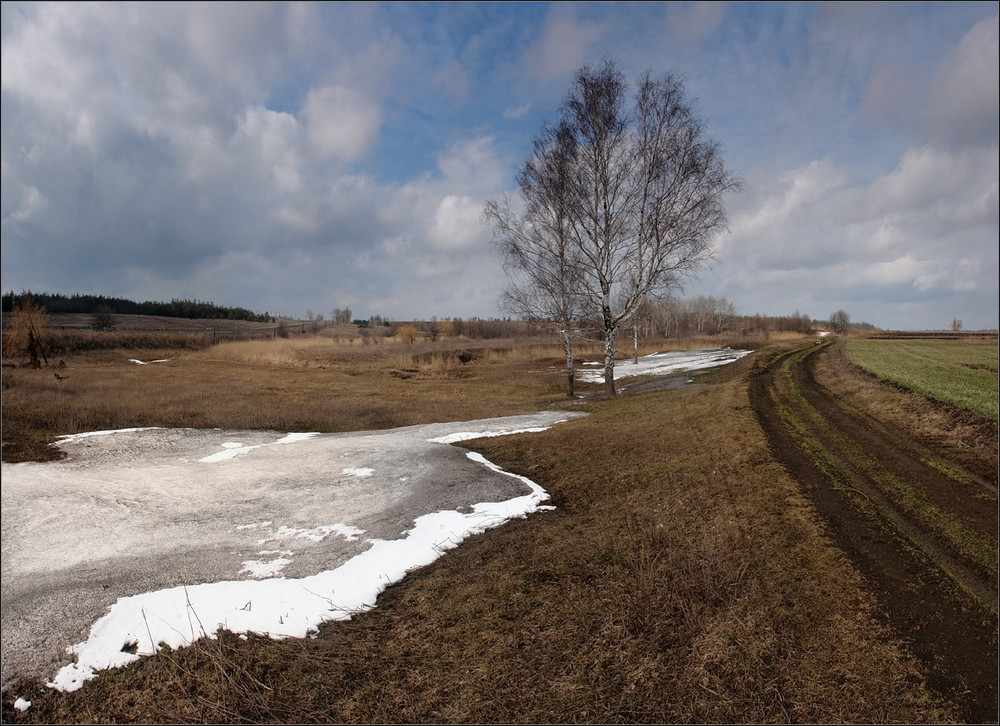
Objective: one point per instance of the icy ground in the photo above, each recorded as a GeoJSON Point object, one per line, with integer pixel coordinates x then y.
{"type": "Point", "coordinates": [661, 364]}
{"type": "Point", "coordinates": [149, 537]}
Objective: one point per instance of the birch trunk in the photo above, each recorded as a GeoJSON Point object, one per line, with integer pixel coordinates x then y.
{"type": "Point", "coordinates": [609, 362]}
{"type": "Point", "coordinates": [570, 371]}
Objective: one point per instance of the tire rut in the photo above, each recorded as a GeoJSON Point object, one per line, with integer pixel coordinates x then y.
{"type": "Point", "coordinates": [921, 530]}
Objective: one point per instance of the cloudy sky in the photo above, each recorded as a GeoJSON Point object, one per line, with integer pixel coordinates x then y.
{"type": "Point", "coordinates": [291, 157]}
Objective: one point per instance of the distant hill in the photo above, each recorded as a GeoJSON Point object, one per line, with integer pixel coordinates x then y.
{"type": "Point", "coordinates": [55, 304]}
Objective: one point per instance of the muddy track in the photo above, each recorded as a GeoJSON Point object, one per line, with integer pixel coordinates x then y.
{"type": "Point", "coordinates": [920, 528]}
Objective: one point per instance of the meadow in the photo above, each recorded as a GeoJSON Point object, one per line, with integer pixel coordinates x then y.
{"type": "Point", "coordinates": [961, 373]}
{"type": "Point", "coordinates": [682, 577]}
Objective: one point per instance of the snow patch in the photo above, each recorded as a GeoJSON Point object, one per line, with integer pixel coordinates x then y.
{"type": "Point", "coordinates": [660, 364]}
{"type": "Point", "coordinates": [466, 435]}
{"type": "Point", "coordinates": [280, 607]}
{"type": "Point", "coordinates": [262, 569]}
{"type": "Point", "coordinates": [254, 525]}
{"type": "Point", "coordinates": [318, 534]}
{"type": "Point", "coordinates": [70, 438]}
{"type": "Point", "coordinates": [234, 449]}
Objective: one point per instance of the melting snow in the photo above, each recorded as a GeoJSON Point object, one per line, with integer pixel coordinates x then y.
{"type": "Point", "coordinates": [660, 364]}
{"type": "Point", "coordinates": [286, 607]}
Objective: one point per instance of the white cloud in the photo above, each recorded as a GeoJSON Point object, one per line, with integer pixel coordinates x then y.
{"type": "Point", "coordinates": [691, 22]}
{"type": "Point", "coordinates": [518, 112]}
{"type": "Point", "coordinates": [788, 200]}
{"type": "Point", "coordinates": [31, 201]}
{"type": "Point", "coordinates": [453, 79]}
{"type": "Point", "coordinates": [564, 46]}
{"type": "Point", "coordinates": [952, 106]}
{"type": "Point", "coordinates": [342, 123]}
{"type": "Point", "coordinates": [272, 155]}
{"type": "Point", "coordinates": [472, 165]}
{"type": "Point", "coordinates": [962, 106]}
{"type": "Point", "coordinates": [272, 138]}
{"type": "Point", "coordinates": [938, 199]}
{"type": "Point", "coordinates": [456, 223]}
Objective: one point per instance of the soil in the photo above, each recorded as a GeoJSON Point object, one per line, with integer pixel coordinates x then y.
{"type": "Point", "coordinates": [941, 601]}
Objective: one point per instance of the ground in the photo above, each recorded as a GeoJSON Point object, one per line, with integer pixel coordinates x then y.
{"type": "Point", "coordinates": [917, 518]}
{"type": "Point", "coordinates": [695, 569]}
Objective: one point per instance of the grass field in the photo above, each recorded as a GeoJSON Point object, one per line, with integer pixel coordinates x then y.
{"type": "Point", "coordinates": [683, 576]}
{"type": "Point", "coordinates": [961, 373]}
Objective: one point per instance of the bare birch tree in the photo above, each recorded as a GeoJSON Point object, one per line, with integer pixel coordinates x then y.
{"type": "Point", "coordinates": [840, 322]}
{"type": "Point", "coordinates": [646, 196]}
{"type": "Point", "coordinates": [539, 257]}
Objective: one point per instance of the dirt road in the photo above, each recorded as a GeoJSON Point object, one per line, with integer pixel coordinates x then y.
{"type": "Point", "coordinates": [916, 521]}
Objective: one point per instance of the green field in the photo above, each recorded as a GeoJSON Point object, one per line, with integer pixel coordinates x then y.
{"type": "Point", "coordinates": [958, 372]}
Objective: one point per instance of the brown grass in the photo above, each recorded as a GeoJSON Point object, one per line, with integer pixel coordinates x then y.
{"type": "Point", "coordinates": [284, 385]}
{"type": "Point", "coordinates": [683, 576]}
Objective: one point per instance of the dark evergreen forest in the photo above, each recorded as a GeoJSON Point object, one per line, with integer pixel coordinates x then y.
{"type": "Point", "coordinates": [94, 304]}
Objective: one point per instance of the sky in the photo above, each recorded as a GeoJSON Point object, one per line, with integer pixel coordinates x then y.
{"type": "Point", "coordinates": [295, 157]}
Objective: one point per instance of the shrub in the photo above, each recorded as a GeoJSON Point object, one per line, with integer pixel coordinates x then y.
{"type": "Point", "coordinates": [408, 333]}
{"type": "Point", "coordinates": [28, 333]}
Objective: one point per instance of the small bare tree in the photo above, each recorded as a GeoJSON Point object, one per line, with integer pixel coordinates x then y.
{"type": "Point", "coordinates": [408, 333]}
{"type": "Point", "coordinates": [840, 322]}
{"type": "Point", "coordinates": [956, 325]}
{"type": "Point", "coordinates": [444, 329]}
{"type": "Point", "coordinates": [104, 318]}
{"type": "Point", "coordinates": [317, 323]}
{"type": "Point", "coordinates": [27, 334]}
{"type": "Point", "coordinates": [535, 243]}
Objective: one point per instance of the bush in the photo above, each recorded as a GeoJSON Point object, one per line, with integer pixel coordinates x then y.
{"type": "Point", "coordinates": [408, 333]}
{"type": "Point", "coordinates": [28, 333]}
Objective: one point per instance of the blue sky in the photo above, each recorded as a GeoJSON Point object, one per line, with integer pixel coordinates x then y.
{"type": "Point", "coordinates": [291, 157]}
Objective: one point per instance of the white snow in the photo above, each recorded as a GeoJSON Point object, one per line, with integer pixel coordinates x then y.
{"type": "Point", "coordinates": [21, 705]}
{"type": "Point", "coordinates": [660, 364]}
{"type": "Point", "coordinates": [466, 435]}
{"type": "Point", "coordinates": [232, 449]}
{"type": "Point", "coordinates": [69, 438]}
{"type": "Point", "coordinates": [358, 471]}
{"type": "Point", "coordinates": [261, 569]}
{"type": "Point", "coordinates": [254, 525]}
{"type": "Point", "coordinates": [285, 607]}
{"type": "Point", "coordinates": [318, 534]}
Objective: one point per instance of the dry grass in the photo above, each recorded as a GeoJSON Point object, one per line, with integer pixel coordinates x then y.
{"type": "Point", "coordinates": [315, 383]}
{"type": "Point", "coordinates": [283, 385]}
{"type": "Point", "coordinates": [683, 576]}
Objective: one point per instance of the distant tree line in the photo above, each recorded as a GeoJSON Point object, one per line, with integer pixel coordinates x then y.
{"type": "Point", "coordinates": [478, 328]}
{"type": "Point", "coordinates": [703, 315]}
{"type": "Point", "coordinates": [104, 306]}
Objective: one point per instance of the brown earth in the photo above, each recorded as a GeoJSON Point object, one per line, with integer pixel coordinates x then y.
{"type": "Point", "coordinates": [913, 505]}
